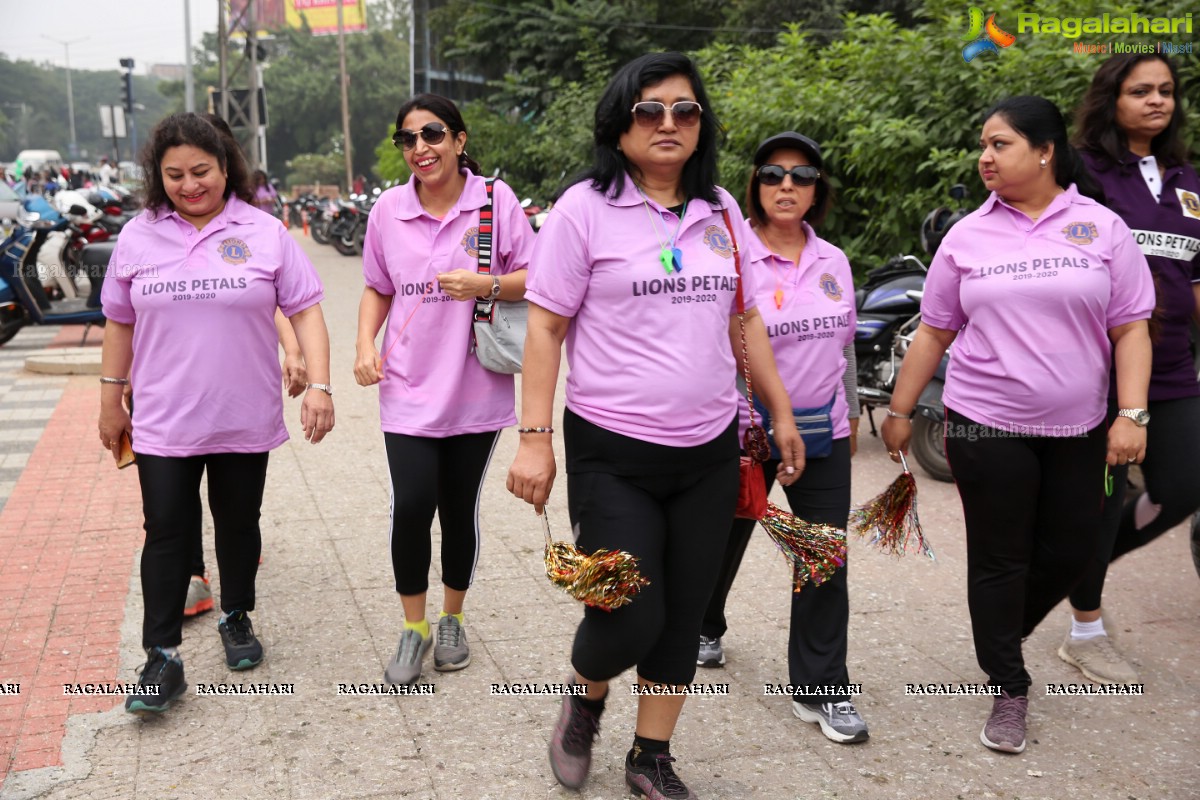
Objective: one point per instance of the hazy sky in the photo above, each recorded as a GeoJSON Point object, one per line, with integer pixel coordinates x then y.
{"type": "Point", "coordinates": [148, 31]}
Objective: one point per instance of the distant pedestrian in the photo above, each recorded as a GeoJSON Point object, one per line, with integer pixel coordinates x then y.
{"type": "Point", "coordinates": [440, 410]}
{"type": "Point", "coordinates": [1038, 289]}
{"type": "Point", "coordinates": [190, 297]}
{"type": "Point", "coordinates": [107, 172]}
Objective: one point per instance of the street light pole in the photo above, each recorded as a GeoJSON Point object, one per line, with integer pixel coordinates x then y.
{"type": "Point", "coordinates": [70, 95]}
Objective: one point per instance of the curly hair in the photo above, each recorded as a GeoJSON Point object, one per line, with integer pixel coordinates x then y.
{"type": "Point", "coordinates": [1096, 128]}
{"type": "Point", "coordinates": [207, 132]}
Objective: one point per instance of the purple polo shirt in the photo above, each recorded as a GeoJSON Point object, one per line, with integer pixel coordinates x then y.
{"type": "Point", "coordinates": [1033, 303]}
{"type": "Point", "coordinates": [433, 384]}
{"type": "Point", "coordinates": [1168, 233]}
{"type": "Point", "coordinates": [649, 352]}
{"type": "Point", "coordinates": [205, 374]}
{"type": "Point", "coordinates": [812, 324]}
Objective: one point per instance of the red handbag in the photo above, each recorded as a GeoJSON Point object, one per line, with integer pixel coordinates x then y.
{"type": "Point", "coordinates": [752, 487]}
{"type": "Point", "coordinates": [752, 490]}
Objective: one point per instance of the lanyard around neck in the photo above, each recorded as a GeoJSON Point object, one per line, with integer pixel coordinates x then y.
{"type": "Point", "coordinates": [670, 256]}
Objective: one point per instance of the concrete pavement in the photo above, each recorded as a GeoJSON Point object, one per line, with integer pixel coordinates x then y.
{"type": "Point", "coordinates": [328, 615]}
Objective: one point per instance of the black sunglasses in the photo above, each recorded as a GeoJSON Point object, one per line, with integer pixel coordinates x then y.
{"type": "Point", "coordinates": [433, 133]}
{"type": "Point", "coordinates": [772, 175]}
{"type": "Point", "coordinates": [650, 113]}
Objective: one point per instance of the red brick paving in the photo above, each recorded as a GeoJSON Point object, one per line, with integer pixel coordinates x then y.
{"type": "Point", "coordinates": [67, 537]}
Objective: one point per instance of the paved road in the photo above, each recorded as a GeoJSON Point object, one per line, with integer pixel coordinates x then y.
{"type": "Point", "coordinates": [328, 615]}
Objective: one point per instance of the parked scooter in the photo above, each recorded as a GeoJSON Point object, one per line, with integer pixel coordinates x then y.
{"type": "Point", "coordinates": [23, 300]}
{"type": "Point", "coordinates": [889, 311]}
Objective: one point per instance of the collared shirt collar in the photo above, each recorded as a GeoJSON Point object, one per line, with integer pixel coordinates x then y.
{"type": "Point", "coordinates": [818, 247]}
{"type": "Point", "coordinates": [1068, 197]}
{"type": "Point", "coordinates": [474, 196]}
{"type": "Point", "coordinates": [632, 196]}
{"type": "Point", "coordinates": [235, 211]}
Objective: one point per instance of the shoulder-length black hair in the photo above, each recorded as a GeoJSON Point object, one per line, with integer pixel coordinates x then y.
{"type": "Point", "coordinates": [444, 109]}
{"type": "Point", "coordinates": [1041, 123]}
{"type": "Point", "coordinates": [614, 116]}
{"type": "Point", "coordinates": [1096, 128]}
{"type": "Point", "coordinates": [196, 130]}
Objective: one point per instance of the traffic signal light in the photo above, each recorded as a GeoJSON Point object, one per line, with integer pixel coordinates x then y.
{"type": "Point", "coordinates": [127, 85]}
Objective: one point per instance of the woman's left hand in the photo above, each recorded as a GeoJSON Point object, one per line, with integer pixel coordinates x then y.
{"type": "Point", "coordinates": [316, 415]}
{"type": "Point", "coordinates": [1126, 443]}
{"type": "Point", "coordinates": [295, 376]}
{"type": "Point", "coordinates": [463, 284]}
{"type": "Point", "coordinates": [791, 451]}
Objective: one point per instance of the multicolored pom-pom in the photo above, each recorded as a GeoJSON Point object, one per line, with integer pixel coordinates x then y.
{"type": "Point", "coordinates": [891, 518]}
{"type": "Point", "coordinates": [815, 551]}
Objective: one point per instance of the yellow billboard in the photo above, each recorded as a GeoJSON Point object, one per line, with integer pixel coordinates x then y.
{"type": "Point", "coordinates": [275, 14]}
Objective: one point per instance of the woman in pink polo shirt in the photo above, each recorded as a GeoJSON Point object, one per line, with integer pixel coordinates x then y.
{"type": "Point", "coordinates": [806, 298]}
{"type": "Point", "coordinates": [190, 295]}
{"type": "Point", "coordinates": [1038, 289]}
{"type": "Point", "coordinates": [634, 269]}
{"type": "Point", "coordinates": [441, 411]}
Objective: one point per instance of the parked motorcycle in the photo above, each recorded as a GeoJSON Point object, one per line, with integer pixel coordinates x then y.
{"type": "Point", "coordinates": [23, 299]}
{"type": "Point", "coordinates": [889, 311]}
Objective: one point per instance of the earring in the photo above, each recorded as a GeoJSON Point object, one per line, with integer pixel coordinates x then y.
{"type": "Point", "coordinates": [1043, 163]}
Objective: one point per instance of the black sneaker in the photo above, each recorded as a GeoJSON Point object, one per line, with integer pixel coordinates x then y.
{"type": "Point", "coordinates": [571, 743]}
{"type": "Point", "coordinates": [657, 781]}
{"type": "Point", "coordinates": [161, 680]}
{"type": "Point", "coordinates": [242, 648]}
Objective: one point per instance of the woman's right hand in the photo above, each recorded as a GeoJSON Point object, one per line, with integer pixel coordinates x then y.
{"type": "Point", "coordinates": [114, 420]}
{"type": "Point", "coordinates": [896, 434]}
{"type": "Point", "coordinates": [531, 476]}
{"type": "Point", "coordinates": [368, 367]}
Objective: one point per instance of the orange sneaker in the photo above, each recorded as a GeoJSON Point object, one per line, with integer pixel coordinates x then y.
{"type": "Point", "coordinates": [199, 597]}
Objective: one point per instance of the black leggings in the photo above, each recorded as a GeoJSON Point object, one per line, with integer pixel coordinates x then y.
{"type": "Point", "coordinates": [1031, 505]}
{"type": "Point", "coordinates": [1172, 473]}
{"type": "Point", "coordinates": [171, 505]}
{"type": "Point", "coordinates": [442, 475]}
{"type": "Point", "coordinates": [676, 522]}
{"type": "Point", "coordinates": [820, 614]}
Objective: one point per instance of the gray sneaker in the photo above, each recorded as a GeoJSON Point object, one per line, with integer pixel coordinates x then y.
{"type": "Point", "coordinates": [710, 654]}
{"type": "Point", "coordinates": [571, 743]}
{"type": "Point", "coordinates": [405, 666]}
{"type": "Point", "coordinates": [1005, 728]}
{"type": "Point", "coordinates": [840, 722]}
{"type": "Point", "coordinates": [451, 651]}
{"type": "Point", "coordinates": [1098, 659]}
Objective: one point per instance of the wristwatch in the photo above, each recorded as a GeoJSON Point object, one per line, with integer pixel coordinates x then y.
{"type": "Point", "coordinates": [1140, 416]}
{"type": "Point", "coordinates": [324, 387]}
{"type": "Point", "coordinates": [495, 288]}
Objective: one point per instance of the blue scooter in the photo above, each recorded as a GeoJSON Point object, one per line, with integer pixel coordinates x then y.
{"type": "Point", "coordinates": [23, 300]}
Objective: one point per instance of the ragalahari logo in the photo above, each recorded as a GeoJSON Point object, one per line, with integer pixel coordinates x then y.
{"type": "Point", "coordinates": [985, 38]}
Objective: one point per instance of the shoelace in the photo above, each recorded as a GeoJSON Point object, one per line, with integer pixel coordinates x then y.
{"type": "Point", "coordinates": [410, 645]}
{"type": "Point", "coordinates": [582, 728]}
{"type": "Point", "coordinates": [145, 673]}
{"type": "Point", "coordinates": [448, 634]}
{"type": "Point", "coordinates": [707, 642]}
{"type": "Point", "coordinates": [668, 781]}
{"type": "Point", "coordinates": [1104, 649]}
{"type": "Point", "coordinates": [238, 625]}
{"type": "Point", "coordinates": [1010, 711]}
{"type": "Point", "coordinates": [845, 709]}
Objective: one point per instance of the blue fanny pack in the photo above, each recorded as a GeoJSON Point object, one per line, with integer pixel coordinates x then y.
{"type": "Point", "coordinates": [815, 426]}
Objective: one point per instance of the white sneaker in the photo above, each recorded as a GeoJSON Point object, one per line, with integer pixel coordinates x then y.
{"type": "Point", "coordinates": [1098, 659]}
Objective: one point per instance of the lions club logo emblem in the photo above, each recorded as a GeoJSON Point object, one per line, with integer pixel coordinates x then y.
{"type": "Point", "coordinates": [1189, 202]}
{"type": "Point", "coordinates": [829, 286]}
{"type": "Point", "coordinates": [234, 251]}
{"type": "Point", "coordinates": [470, 242]}
{"type": "Point", "coordinates": [717, 240]}
{"type": "Point", "coordinates": [1081, 232]}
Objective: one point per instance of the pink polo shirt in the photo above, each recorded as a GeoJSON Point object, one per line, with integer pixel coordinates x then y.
{"type": "Point", "coordinates": [1033, 303]}
{"type": "Point", "coordinates": [433, 384]}
{"type": "Point", "coordinates": [206, 375]}
{"type": "Point", "coordinates": [810, 329]}
{"type": "Point", "coordinates": [649, 351]}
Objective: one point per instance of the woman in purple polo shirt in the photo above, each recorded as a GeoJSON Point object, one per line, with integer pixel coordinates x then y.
{"type": "Point", "coordinates": [806, 298]}
{"type": "Point", "coordinates": [1129, 131]}
{"type": "Point", "coordinates": [1038, 290]}
{"type": "Point", "coordinates": [440, 410]}
{"type": "Point", "coordinates": [635, 270]}
{"type": "Point", "coordinates": [190, 296]}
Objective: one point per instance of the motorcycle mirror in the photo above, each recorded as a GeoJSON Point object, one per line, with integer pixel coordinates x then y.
{"type": "Point", "coordinates": [77, 211]}
{"type": "Point", "coordinates": [376, 191]}
{"type": "Point", "coordinates": [527, 202]}
{"type": "Point", "coordinates": [958, 192]}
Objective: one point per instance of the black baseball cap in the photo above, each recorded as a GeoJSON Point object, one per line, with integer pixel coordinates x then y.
{"type": "Point", "coordinates": [788, 139]}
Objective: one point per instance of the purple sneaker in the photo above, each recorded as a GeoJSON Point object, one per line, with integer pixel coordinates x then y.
{"type": "Point", "coordinates": [658, 781]}
{"type": "Point", "coordinates": [1005, 728]}
{"type": "Point", "coordinates": [571, 744]}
